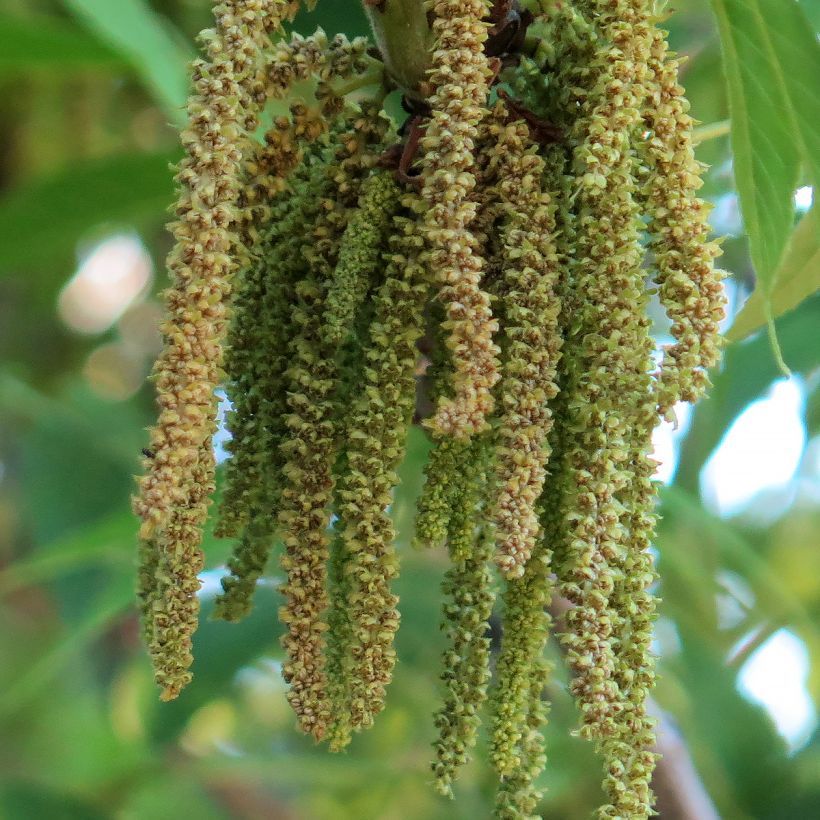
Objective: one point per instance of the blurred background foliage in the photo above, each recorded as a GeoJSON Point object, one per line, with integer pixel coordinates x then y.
{"type": "Point", "coordinates": [90, 92]}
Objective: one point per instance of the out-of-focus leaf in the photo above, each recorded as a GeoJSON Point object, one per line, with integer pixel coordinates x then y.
{"type": "Point", "coordinates": [147, 41]}
{"type": "Point", "coordinates": [30, 800]}
{"type": "Point", "coordinates": [102, 541]}
{"type": "Point", "coordinates": [153, 797]}
{"type": "Point", "coordinates": [42, 43]}
{"type": "Point", "coordinates": [104, 608]}
{"type": "Point", "coordinates": [774, 596]}
{"type": "Point", "coordinates": [748, 370]}
{"type": "Point", "coordinates": [797, 278]}
{"type": "Point", "coordinates": [42, 221]}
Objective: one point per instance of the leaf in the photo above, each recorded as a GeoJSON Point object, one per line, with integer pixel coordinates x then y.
{"type": "Point", "coordinates": [766, 156]}
{"type": "Point", "coordinates": [146, 41]}
{"type": "Point", "coordinates": [95, 545]}
{"type": "Point", "coordinates": [109, 604]}
{"type": "Point", "coordinates": [43, 43]}
{"type": "Point", "coordinates": [798, 51]}
{"type": "Point", "coordinates": [746, 374]}
{"type": "Point", "coordinates": [771, 58]}
{"type": "Point", "coordinates": [797, 278]}
{"type": "Point", "coordinates": [44, 219]}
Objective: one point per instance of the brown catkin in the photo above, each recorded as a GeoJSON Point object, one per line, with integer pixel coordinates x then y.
{"type": "Point", "coordinates": [531, 304]}
{"type": "Point", "coordinates": [690, 288]}
{"type": "Point", "coordinates": [460, 78]}
{"type": "Point", "coordinates": [222, 111]}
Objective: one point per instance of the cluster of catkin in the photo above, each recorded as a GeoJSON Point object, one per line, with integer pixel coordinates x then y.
{"type": "Point", "coordinates": [521, 249]}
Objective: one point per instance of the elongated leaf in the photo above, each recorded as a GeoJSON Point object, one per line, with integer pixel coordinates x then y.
{"type": "Point", "coordinates": [797, 278]}
{"type": "Point", "coordinates": [766, 155]}
{"type": "Point", "coordinates": [108, 605]}
{"type": "Point", "coordinates": [146, 41]}
{"type": "Point", "coordinates": [795, 43]}
{"type": "Point", "coordinates": [42, 43]}
{"type": "Point", "coordinates": [43, 220]}
{"type": "Point", "coordinates": [99, 543]}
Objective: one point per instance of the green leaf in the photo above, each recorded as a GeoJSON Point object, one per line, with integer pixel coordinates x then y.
{"type": "Point", "coordinates": [766, 156]}
{"type": "Point", "coordinates": [43, 43]}
{"type": "Point", "coordinates": [771, 58]}
{"type": "Point", "coordinates": [43, 220]}
{"type": "Point", "coordinates": [146, 41]}
{"type": "Point", "coordinates": [795, 43]}
{"type": "Point", "coordinates": [797, 278]}
{"type": "Point", "coordinates": [100, 543]}
{"type": "Point", "coordinates": [105, 607]}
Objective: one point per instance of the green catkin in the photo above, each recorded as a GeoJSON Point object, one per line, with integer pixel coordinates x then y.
{"type": "Point", "coordinates": [526, 625]}
{"type": "Point", "coordinates": [309, 455]}
{"type": "Point", "coordinates": [376, 441]}
{"type": "Point", "coordinates": [459, 75]}
{"type": "Point", "coordinates": [340, 634]}
{"type": "Point", "coordinates": [531, 304]}
{"type": "Point", "coordinates": [467, 588]}
{"type": "Point", "coordinates": [689, 286]}
{"type": "Point", "coordinates": [359, 254]}
{"type": "Point", "coordinates": [309, 449]}
{"type": "Point", "coordinates": [518, 796]}
{"type": "Point", "coordinates": [293, 61]}
{"type": "Point", "coordinates": [254, 448]}
{"type": "Point", "coordinates": [244, 471]}
{"type": "Point", "coordinates": [435, 504]}
{"type": "Point", "coordinates": [340, 627]}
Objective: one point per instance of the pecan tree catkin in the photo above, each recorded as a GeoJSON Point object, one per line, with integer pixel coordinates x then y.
{"type": "Point", "coordinates": [501, 231]}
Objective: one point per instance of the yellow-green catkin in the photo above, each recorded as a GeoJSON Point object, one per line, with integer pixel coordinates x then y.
{"type": "Point", "coordinates": [609, 366]}
{"type": "Point", "coordinates": [175, 605]}
{"type": "Point", "coordinates": [689, 286]}
{"type": "Point", "coordinates": [531, 304]}
{"type": "Point", "coordinates": [360, 253]}
{"type": "Point", "coordinates": [376, 438]}
{"type": "Point", "coordinates": [632, 757]}
{"type": "Point", "coordinates": [518, 795]}
{"type": "Point", "coordinates": [221, 111]}
{"type": "Point", "coordinates": [174, 492]}
{"type": "Point", "coordinates": [459, 77]}
{"type": "Point", "coordinates": [469, 597]}
{"type": "Point", "coordinates": [435, 504]}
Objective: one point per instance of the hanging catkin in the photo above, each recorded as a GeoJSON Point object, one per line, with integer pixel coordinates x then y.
{"type": "Point", "coordinates": [503, 233]}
